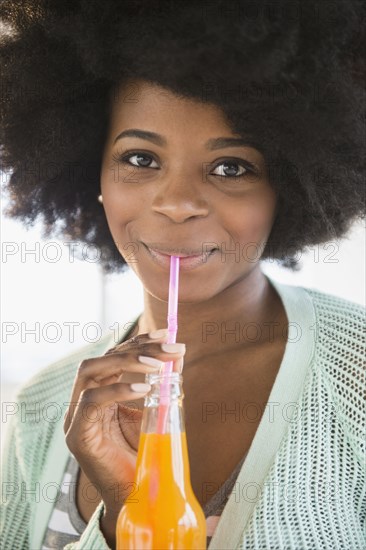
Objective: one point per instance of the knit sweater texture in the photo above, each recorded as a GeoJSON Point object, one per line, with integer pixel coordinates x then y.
{"type": "Point", "coordinates": [302, 484]}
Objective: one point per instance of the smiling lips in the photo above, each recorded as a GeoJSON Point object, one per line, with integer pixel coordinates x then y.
{"type": "Point", "coordinates": [186, 262]}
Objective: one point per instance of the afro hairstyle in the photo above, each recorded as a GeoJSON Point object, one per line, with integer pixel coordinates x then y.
{"type": "Point", "coordinates": [289, 74]}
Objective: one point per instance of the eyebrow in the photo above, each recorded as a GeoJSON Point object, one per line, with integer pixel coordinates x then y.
{"type": "Point", "coordinates": [212, 144]}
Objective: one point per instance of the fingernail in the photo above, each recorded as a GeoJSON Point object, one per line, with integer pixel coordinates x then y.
{"type": "Point", "coordinates": [150, 361]}
{"type": "Point", "coordinates": [140, 387]}
{"type": "Point", "coordinates": [180, 367]}
{"type": "Point", "coordinates": [154, 334]}
{"type": "Point", "coordinates": [173, 348]}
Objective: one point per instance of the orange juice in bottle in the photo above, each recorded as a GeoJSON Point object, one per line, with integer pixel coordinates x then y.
{"type": "Point", "coordinates": [164, 513]}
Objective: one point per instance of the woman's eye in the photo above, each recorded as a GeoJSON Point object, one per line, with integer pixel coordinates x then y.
{"type": "Point", "coordinates": [226, 169]}
{"type": "Point", "coordinates": [231, 169]}
{"type": "Point", "coordinates": [140, 160]}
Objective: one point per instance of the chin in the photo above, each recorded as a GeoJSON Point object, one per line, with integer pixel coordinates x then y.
{"type": "Point", "coordinates": [187, 294]}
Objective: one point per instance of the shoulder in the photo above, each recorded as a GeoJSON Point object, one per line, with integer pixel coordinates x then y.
{"type": "Point", "coordinates": [330, 304]}
{"type": "Point", "coordinates": [340, 335]}
{"type": "Point", "coordinates": [334, 331]}
{"type": "Point", "coordinates": [337, 325]}
{"type": "Point", "coordinates": [340, 360]}
{"type": "Point", "coordinates": [340, 324]}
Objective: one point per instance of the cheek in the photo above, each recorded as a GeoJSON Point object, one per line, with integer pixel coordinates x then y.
{"type": "Point", "coordinates": [121, 209]}
{"type": "Point", "coordinates": [252, 219]}
{"type": "Point", "coordinates": [120, 206]}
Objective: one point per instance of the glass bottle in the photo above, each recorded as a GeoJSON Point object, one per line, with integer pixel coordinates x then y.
{"type": "Point", "coordinates": [164, 513]}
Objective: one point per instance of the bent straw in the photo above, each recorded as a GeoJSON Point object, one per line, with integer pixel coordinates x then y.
{"type": "Point", "coordinates": [172, 335]}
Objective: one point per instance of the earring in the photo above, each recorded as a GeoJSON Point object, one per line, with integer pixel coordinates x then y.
{"type": "Point", "coordinates": [100, 199]}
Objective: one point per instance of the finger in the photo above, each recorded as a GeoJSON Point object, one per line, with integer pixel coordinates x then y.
{"type": "Point", "coordinates": [154, 336]}
{"type": "Point", "coordinates": [94, 402]}
{"type": "Point", "coordinates": [178, 365]}
{"type": "Point", "coordinates": [129, 420]}
{"type": "Point", "coordinates": [99, 371]}
{"type": "Point", "coordinates": [96, 371]}
{"type": "Point", "coordinates": [145, 359]}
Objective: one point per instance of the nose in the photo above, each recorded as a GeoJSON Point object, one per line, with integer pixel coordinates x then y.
{"type": "Point", "coordinates": [180, 200]}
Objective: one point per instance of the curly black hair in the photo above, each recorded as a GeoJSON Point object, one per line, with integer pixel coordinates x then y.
{"type": "Point", "coordinates": [288, 73]}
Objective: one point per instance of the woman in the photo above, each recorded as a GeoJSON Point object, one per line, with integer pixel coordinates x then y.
{"type": "Point", "coordinates": [224, 175]}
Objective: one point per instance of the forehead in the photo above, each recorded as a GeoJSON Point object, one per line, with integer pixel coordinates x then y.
{"type": "Point", "coordinates": [145, 103]}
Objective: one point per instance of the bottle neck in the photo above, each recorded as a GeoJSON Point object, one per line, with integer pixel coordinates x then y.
{"type": "Point", "coordinates": [163, 453]}
{"type": "Point", "coordinates": [163, 406]}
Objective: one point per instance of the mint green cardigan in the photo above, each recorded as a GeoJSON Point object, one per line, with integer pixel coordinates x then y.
{"type": "Point", "coordinates": [302, 485]}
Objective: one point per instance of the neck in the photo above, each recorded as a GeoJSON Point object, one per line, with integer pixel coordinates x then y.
{"type": "Point", "coordinates": [244, 312]}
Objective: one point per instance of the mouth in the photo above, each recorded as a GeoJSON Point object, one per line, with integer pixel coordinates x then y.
{"type": "Point", "coordinates": [189, 259]}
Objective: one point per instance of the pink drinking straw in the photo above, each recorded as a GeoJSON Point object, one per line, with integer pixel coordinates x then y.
{"type": "Point", "coordinates": [172, 335]}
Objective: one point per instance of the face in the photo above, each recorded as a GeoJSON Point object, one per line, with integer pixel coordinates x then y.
{"type": "Point", "coordinates": [172, 186]}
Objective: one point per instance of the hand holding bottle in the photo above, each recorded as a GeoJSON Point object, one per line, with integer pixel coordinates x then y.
{"type": "Point", "coordinates": [101, 432]}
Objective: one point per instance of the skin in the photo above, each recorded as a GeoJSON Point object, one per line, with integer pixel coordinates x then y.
{"type": "Point", "coordinates": [171, 203]}
{"type": "Point", "coordinates": [176, 205]}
